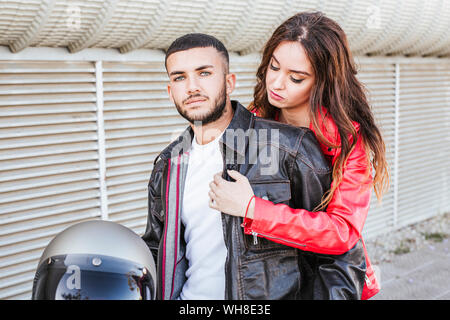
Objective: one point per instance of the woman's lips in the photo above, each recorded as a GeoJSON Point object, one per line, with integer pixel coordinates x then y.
{"type": "Point", "coordinates": [275, 96]}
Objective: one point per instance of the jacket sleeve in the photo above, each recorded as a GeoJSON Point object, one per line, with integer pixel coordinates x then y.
{"type": "Point", "coordinates": [155, 217]}
{"type": "Point", "coordinates": [334, 231]}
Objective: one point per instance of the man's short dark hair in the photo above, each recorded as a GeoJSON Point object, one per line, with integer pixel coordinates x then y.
{"type": "Point", "coordinates": [198, 40]}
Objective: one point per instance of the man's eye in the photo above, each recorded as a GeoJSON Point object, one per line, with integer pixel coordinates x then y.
{"type": "Point", "coordinates": [179, 78]}
{"type": "Point", "coordinates": [205, 73]}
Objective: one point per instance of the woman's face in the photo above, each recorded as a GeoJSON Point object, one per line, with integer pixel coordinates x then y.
{"type": "Point", "coordinates": [289, 77]}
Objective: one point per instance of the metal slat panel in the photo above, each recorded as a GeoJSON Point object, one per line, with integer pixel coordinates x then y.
{"type": "Point", "coordinates": [46, 150]}
{"type": "Point", "coordinates": [424, 149]}
{"type": "Point", "coordinates": [24, 110]}
{"type": "Point", "coordinates": [48, 161]}
{"type": "Point", "coordinates": [379, 79]}
{"type": "Point", "coordinates": [20, 77]}
{"type": "Point", "coordinates": [32, 131]}
{"type": "Point", "coordinates": [23, 142]}
{"type": "Point", "coordinates": [88, 205]}
{"type": "Point", "coordinates": [245, 71]}
{"type": "Point", "coordinates": [379, 219]}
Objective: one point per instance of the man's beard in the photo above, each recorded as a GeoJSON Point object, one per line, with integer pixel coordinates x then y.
{"type": "Point", "coordinates": [212, 115]}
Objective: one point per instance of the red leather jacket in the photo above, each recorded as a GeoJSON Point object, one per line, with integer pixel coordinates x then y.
{"type": "Point", "coordinates": [336, 230]}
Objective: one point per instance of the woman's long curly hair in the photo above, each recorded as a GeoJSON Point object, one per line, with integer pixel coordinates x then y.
{"type": "Point", "coordinates": [336, 89]}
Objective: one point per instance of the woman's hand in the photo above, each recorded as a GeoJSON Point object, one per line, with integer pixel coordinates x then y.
{"type": "Point", "coordinates": [231, 197]}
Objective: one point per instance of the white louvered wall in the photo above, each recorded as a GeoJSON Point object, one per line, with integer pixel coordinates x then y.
{"type": "Point", "coordinates": [424, 141]}
{"type": "Point", "coordinates": [49, 156]}
{"type": "Point", "coordinates": [48, 161]}
{"type": "Point", "coordinates": [379, 80]}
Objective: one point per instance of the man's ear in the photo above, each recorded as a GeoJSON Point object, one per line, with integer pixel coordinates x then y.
{"type": "Point", "coordinates": [230, 80]}
{"type": "Point", "coordinates": [169, 91]}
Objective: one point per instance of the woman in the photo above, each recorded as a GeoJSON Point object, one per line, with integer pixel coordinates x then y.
{"type": "Point", "coordinates": [307, 78]}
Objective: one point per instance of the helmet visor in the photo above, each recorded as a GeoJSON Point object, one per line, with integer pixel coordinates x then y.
{"type": "Point", "coordinates": [91, 277]}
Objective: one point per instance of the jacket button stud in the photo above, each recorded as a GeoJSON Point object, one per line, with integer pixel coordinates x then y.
{"type": "Point", "coordinates": [96, 262]}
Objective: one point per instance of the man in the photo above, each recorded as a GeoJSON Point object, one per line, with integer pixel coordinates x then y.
{"type": "Point", "coordinates": [202, 253]}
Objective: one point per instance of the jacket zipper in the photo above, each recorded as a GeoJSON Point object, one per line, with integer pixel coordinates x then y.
{"type": "Point", "coordinates": [165, 233]}
{"type": "Point", "coordinates": [255, 239]}
{"type": "Point", "coordinates": [368, 282]}
{"type": "Point", "coordinates": [176, 226]}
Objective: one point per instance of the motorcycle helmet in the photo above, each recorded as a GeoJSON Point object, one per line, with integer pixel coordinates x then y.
{"type": "Point", "coordinates": [95, 260]}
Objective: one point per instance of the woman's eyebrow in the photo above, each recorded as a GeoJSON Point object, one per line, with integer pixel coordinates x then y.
{"type": "Point", "coordinates": [294, 71]}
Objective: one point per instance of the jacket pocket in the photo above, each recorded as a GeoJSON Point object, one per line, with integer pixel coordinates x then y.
{"type": "Point", "coordinates": [276, 191]}
{"type": "Point", "coordinates": [272, 276]}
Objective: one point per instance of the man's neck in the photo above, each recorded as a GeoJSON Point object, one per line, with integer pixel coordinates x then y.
{"type": "Point", "coordinates": [207, 133]}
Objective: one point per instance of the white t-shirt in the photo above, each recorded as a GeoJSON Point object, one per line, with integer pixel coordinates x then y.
{"type": "Point", "coordinates": [205, 249]}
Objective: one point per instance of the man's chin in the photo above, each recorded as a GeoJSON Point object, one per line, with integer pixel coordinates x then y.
{"type": "Point", "coordinates": [196, 118]}
{"type": "Point", "coordinates": [203, 113]}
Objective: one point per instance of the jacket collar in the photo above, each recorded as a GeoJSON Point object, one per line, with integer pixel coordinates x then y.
{"type": "Point", "coordinates": [242, 119]}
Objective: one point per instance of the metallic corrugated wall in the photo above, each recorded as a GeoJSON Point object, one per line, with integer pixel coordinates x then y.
{"type": "Point", "coordinates": [379, 79]}
{"type": "Point", "coordinates": [423, 141]}
{"type": "Point", "coordinates": [48, 160]}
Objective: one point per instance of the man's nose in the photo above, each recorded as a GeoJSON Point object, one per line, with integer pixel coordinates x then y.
{"type": "Point", "coordinates": [193, 86]}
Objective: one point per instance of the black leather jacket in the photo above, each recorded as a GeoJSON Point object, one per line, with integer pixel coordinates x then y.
{"type": "Point", "coordinates": [284, 164]}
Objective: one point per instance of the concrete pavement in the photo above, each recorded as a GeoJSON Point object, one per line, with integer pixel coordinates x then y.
{"type": "Point", "coordinates": [419, 275]}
